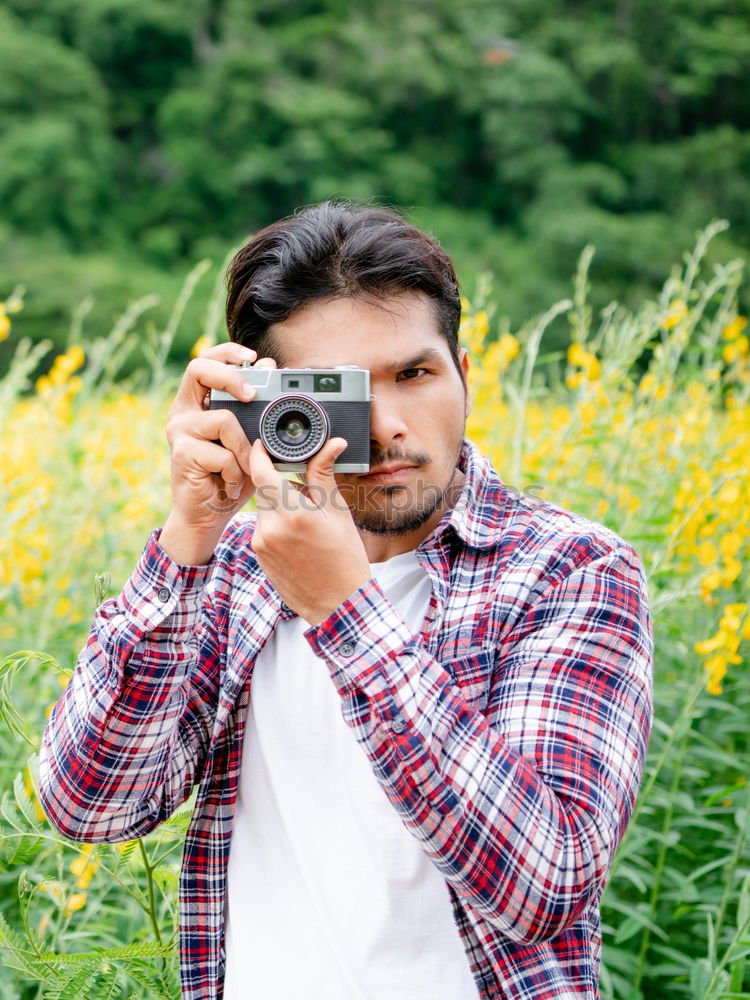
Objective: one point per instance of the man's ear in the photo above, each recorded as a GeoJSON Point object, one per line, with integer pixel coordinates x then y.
{"type": "Point", "coordinates": [463, 360]}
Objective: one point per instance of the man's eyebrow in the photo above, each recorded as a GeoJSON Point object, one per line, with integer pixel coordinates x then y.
{"type": "Point", "coordinates": [430, 355]}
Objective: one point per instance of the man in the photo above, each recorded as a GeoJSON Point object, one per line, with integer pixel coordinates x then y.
{"type": "Point", "coordinates": [416, 704]}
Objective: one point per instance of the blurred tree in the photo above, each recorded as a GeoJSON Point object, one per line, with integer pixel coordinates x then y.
{"type": "Point", "coordinates": [172, 128]}
{"type": "Point", "coordinates": [56, 149]}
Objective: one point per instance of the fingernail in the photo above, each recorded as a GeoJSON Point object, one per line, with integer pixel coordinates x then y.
{"type": "Point", "coordinates": [247, 390]}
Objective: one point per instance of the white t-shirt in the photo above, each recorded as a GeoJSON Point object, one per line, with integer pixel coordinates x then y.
{"type": "Point", "coordinates": [329, 897]}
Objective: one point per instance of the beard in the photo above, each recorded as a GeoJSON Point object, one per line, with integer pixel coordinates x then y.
{"type": "Point", "coordinates": [401, 509]}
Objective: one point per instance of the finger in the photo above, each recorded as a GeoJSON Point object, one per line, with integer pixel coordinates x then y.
{"type": "Point", "coordinates": [229, 490]}
{"type": "Point", "coordinates": [263, 472]}
{"type": "Point", "coordinates": [266, 363]}
{"type": "Point", "coordinates": [203, 374]}
{"type": "Point", "coordinates": [230, 353]}
{"type": "Point", "coordinates": [207, 458]}
{"type": "Point", "coordinates": [212, 425]}
{"type": "Point", "coordinates": [320, 467]}
{"type": "Point", "coordinates": [320, 485]}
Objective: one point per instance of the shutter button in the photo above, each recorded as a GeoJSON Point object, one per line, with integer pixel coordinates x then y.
{"type": "Point", "coordinates": [164, 595]}
{"type": "Point", "coordinates": [346, 649]}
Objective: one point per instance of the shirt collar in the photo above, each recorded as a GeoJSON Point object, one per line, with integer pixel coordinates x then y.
{"type": "Point", "coordinates": [479, 515]}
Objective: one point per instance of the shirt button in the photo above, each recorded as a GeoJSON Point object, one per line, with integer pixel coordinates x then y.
{"type": "Point", "coordinates": [285, 608]}
{"type": "Point", "coordinates": [164, 595]}
{"type": "Point", "coordinates": [398, 726]}
{"type": "Point", "coordinates": [346, 649]}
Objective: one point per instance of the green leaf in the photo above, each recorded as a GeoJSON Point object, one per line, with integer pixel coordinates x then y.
{"type": "Point", "coordinates": [74, 984]}
{"type": "Point", "coordinates": [700, 977]}
{"type": "Point", "coordinates": [743, 906]}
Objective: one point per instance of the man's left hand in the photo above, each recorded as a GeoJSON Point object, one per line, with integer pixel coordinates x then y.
{"type": "Point", "coordinates": [305, 539]}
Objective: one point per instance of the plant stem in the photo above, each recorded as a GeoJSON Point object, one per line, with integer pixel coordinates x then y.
{"type": "Point", "coordinates": [660, 865]}
{"type": "Point", "coordinates": [151, 893]}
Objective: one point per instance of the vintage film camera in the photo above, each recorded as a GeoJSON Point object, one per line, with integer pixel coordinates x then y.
{"type": "Point", "coordinates": [296, 410]}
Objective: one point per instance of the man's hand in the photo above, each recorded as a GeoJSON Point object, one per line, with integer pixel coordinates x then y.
{"type": "Point", "coordinates": [305, 539]}
{"type": "Point", "coordinates": [210, 480]}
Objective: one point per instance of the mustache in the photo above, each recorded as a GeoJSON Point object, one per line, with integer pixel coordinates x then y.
{"type": "Point", "coordinates": [391, 455]}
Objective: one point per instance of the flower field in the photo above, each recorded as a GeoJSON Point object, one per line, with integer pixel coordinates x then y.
{"type": "Point", "coordinates": [642, 424]}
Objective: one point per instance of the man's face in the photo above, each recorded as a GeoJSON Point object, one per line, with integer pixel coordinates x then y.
{"type": "Point", "coordinates": [418, 414]}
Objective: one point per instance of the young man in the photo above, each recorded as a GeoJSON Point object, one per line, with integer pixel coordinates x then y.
{"type": "Point", "coordinates": [416, 704]}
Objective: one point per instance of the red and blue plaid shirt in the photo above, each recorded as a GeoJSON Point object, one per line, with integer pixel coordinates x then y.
{"type": "Point", "coordinates": [509, 735]}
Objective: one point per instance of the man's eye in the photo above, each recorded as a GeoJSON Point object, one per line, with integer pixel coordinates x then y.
{"type": "Point", "coordinates": [412, 373]}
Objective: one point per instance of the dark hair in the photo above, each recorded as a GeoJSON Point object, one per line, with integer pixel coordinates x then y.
{"type": "Point", "coordinates": [333, 250]}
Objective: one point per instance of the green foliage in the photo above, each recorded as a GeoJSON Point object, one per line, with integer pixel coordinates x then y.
{"type": "Point", "coordinates": [167, 131]}
{"type": "Point", "coordinates": [56, 149]}
{"type": "Point", "coordinates": [88, 293]}
{"type": "Point", "coordinates": [41, 938]}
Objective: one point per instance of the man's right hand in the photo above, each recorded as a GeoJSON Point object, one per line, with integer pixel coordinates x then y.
{"type": "Point", "coordinates": [210, 480]}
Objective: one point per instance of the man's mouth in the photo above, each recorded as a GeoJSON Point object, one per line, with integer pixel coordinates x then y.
{"type": "Point", "coordinates": [386, 474]}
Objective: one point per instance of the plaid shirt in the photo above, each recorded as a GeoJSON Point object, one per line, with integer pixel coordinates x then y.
{"type": "Point", "coordinates": [509, 735]}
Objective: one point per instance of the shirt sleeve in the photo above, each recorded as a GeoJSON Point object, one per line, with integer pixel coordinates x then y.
{"type": "Point", "coordinates": [521, 805]}
{"type": "Point", "coordinates": [125, 743]}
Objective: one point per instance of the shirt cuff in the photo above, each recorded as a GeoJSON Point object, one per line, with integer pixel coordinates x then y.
{"type": "Point", "coordinates": [366, 644]}
{"type": "Point", "coordinates": [158, 585]}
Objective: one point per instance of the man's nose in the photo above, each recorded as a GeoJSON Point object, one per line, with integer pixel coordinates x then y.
{"type": "Point", "coordinates": [386, 422]}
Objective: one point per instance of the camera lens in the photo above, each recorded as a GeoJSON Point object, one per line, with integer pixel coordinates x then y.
{"type": "Point", "coordinates": [293, 428]}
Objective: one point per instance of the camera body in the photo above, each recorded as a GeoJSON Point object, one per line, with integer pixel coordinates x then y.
{"type": "Point", "coordinates": [296, 410]}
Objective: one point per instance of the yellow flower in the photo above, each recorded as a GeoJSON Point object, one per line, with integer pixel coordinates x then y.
{"type": "Point", "coordinates": [201, 344]}
{"type": "Point", "coordinates": [84, 867]}
{"type": "Point", "coordinates": [730, 544]}
{"type": "Point", "coordinates": [75, 356]}
{"type": "Point", "coordinates": [53, 888]}
{"type": "Point", "coordinates": [732, 611]}
{"type": "Point", "coordinates": [731, 572]}
{"type": "Point", "coordinates": [509, 346]}
{"type": "Point", "coordinates": [28, 785]}
{"type": "Point", "coordinates": [581, 358]}
{"type": "Point", "coordinates": [587, 412]}
{"type": "Point", "coordinates": [721, 648]}
{"type": "Point", "coordinates": [707, 554]}
{"type": "Point", "coordinates": [708, 645]}
{"type": "Point", "coordinates": [560, 417]}
{"type": "Point", "coordinates": [678, 311]}
{"type": "Point", "coordinates": [577, 355]}
{"type": "Point", "coordinates": [710, 583]}
{"type": "Point", "coordinates": [729, 494]}
{"type": "Point", "coordinates": [735, 350]}
{"type": "Point", "coordinates": [734, 329]}
{"type": "Point", "coordinates": [481, 323]}
{"type": "Point", "coordinates": [4, 323]}
{"type": "Point", "coordinates": [75, 902]}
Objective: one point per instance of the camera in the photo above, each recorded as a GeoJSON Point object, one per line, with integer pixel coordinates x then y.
{"type": "Point", "coordinates": [296, 410]}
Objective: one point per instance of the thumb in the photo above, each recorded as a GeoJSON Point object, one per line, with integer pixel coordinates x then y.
{"type": "Point", "coordinates": [320, 467]}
